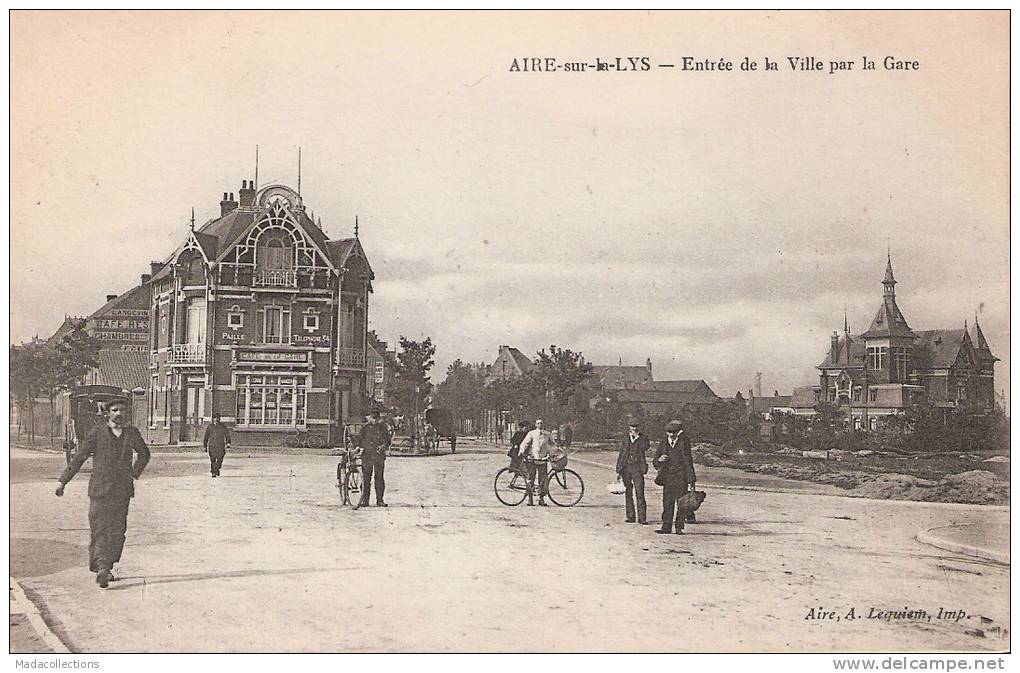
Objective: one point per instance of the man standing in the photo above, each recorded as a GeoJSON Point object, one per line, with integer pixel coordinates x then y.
{"type": "Point", "coordinates": [676, 467]}
{"type": "Point", "coordinates": [111, 485]}
{"type": "Point", "coordinates": [216, 442]}
{"type": "Point", "coordinates": [631, 465]}
{"type": "Point", "coordinates": [515, 444]}
{"type": "Point", "coordinates": [536, 446]}
{"type": "Point", "coordinates": [373, 439]}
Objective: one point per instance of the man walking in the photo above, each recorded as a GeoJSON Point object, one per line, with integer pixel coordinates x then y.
{"type": "Point", "coordinates": [536, 446]}
{"type": "Point", "coordinates": [373, 439]}
{"type": "Point", "coordinates": [632, 465]}
{"type": "Point", "coordinates": [676, 467]}
{"type": "Point", "coordinates": [216, 442]}
{"type": "Point", "coordinates": [111, 485]}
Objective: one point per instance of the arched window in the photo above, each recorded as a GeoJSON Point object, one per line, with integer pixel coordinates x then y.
{"type": "Point", "coordinates": [275, 252]}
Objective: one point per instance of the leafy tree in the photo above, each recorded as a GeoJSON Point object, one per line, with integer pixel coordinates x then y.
{"type": "Point", "coordinates": [77, 353]}
{"type": "Point", "coordinates": [411, 385]}
{"type": "Point", "coordinates": [461, 391]}
{"type": "Point", "coordinates": [557, 377]}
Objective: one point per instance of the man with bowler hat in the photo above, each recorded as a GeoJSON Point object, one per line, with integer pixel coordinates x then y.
{"type": "Point", "coordinates": [676, 472]}
{"type": "Point", "coordinates": [631, 466]}
{"type": "Point", "coordinates": [373, 439]}
{"type": "Point", "coordinates": [112, 446]}
{"type": "Point", "coordinates": [216, 442]}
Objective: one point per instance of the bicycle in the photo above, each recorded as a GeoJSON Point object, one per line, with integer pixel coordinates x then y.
{"type": "Point", "coordinates": [563, 486]}
{"type": "Point", "coordinates": [305, 440]}
{"type": "Point", "coordinates": [348, 476]}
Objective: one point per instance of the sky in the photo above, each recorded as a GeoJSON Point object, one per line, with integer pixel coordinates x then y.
{"type": "Point", "coordinates": [718, 223]}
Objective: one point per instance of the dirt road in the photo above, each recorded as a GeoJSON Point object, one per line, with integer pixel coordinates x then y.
{"type": "Point", "coordinates": [266, 559]}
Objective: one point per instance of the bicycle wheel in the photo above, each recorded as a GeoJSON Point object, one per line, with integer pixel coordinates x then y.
{"type": "Point", "coordinates": [293, 439]}
{"type": "Point", "coordinates": [565, 487]}
{"type": "Point", "coordinates": [353, 483]}
{"type": "Point", "coordinates": [511, 486]}
{"type": "Point", "coordinates": [314, 441]}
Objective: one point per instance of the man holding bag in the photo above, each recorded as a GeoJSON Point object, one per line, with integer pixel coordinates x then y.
{"type": "Point", "coordinates": [676, 475]}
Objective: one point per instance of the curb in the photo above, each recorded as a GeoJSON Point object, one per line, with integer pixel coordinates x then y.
{"type": "Point", "coordinates": [929, 537]}
{"type": "Point", "coordinates": [26, 607]}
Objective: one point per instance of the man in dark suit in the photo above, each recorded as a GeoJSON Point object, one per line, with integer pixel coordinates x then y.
{"type": "Point", "coordinates": [676, 472]}
{"type": "Point", "coordinates": [111, 485]}
{"type": "Point", "coordinates": [515, 445]}
{"type": "Point", "coordinates": [373, 439]}
{"type": "Point", "coordinates": [632, 466]}
{"type": "Point", "coordinates": [216, 442]}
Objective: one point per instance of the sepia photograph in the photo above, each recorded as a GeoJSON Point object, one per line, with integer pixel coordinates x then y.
{"type": "Point", "coordinates": [509, 332]}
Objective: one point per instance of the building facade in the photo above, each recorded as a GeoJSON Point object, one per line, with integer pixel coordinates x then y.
{"type": "Point", "coordinates": [891, 367]}
{"type": "Point", "coordinates": [261, 319]}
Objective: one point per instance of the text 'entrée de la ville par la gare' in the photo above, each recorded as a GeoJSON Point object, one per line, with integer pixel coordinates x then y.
{"type": "Point", "coordinates": [797, 64]}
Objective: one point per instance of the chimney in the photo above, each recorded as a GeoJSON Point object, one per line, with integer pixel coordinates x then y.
{"type": "Point", "coordinates": [750, 393]}
{"type": "Point", "coordinates": [154, 267]}
{"type": "Point", "coordinates": [228, 204]}
{"type": "Point", "coordinates": [146, 277]}
{"type": "Point", "coordinates": [246, 196]}
{"type": "Point", "coordinates": [648, 366]}
{"type": "Point", "coordinates": [834, 347]}
{"type": "Point", "coordinates": [111, 297]}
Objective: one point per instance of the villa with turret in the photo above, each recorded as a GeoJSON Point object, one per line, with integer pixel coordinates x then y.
{"type": "Point", "coordinates": [891, 367]}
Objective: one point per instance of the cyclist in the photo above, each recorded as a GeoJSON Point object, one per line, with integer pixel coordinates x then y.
{"type": "Point", "coordinates": [373, 439]}
{"type": "Point", "coordinates": [535, 448]}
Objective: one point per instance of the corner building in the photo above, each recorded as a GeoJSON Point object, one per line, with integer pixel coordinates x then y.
{"type": "Point", "coordinates": [259, 318]}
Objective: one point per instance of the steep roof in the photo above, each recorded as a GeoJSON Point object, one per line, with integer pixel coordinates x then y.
{"type": "Point", "coordinates": [944, 345]}
{"type": "Point", "coordinates": [648, 395]}
{"type": "Point", "coordinates": [136, 298]}
{"type": "Point", "coordinates": [984, 353]}
{"type": "Point", "coordinates": [889, 321]}
{"type": "Point", "coordinates": [124, 369]}
{"type": "Point", "coordinates": [228, 228]}
{"type": "Point", "coordinates": [65, 328]}
{"type": "Point", "coordinates": [858, 352]}
{"type": "Point", "coordinates": [692, 386]}
{"type": "Point", "coordinates": [522, 361]}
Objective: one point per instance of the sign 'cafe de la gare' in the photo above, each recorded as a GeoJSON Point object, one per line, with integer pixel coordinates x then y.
{"type": "Point", "coordinates": [261, 319]}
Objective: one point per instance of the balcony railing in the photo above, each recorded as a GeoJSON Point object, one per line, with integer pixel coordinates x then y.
{"type": "Point", "coordinates": [351, 357]}
{"type": "Point", "coordinates": [275, 278]}
{"type": "Point", "coordinates": [187, 353]}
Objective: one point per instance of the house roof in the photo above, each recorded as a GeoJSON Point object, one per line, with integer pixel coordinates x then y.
{"type": "Point", "coordinates": [647, 395]}
{"type": "Point", "coordinates": [889, 321]}
{"type": "Point", "coordinates": [944, 344]}
{"type": "Point", "coordinates": [621, 376]}
{"type": "Point", "coordinates": [763, 404]}
{"type": "Point", "coordinates": [693, 386]}
{"type": "Point", "coordinates": [984, 353]}
{"type": "Point", "coordinates": [858, 352]}
{"type": "Point", "coordinates": [136, 297]}
{"type": "Point", "coordinates": [65, 328]}
{"type": "Point", "coordinates": [803, 397]}
{"type": "Point", "coordinates": [522, 361]}
{"type": "Point", "coordinates": [124, 369]}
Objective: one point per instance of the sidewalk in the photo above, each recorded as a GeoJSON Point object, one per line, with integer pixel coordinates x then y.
{"type": "Point", "coordinates": [986, 540]}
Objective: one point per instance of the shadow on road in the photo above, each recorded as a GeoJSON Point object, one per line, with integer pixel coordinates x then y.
{"type": "Point", "coordinates": [130, 582]}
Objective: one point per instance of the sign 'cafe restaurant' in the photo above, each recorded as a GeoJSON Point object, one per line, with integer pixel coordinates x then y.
{"type": "Point", "coordinates": [260, 318]}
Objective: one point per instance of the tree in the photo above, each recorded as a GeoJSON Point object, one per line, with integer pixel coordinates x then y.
{"type": "Point", "coordinates": [557, 377]}
{"type": "Point", "coordinates": [77, 354]}
{"type": "Point", "coordinates": [461, 391]}
{"type": "Point", "coordinates": [411, 384]}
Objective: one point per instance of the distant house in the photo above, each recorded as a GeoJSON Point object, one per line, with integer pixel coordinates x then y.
{"type": "Point", "coordinates": [656, 397]}
{"type": "Point", "coordinates": [619, 377]}
{"type": "Point", "coordinates": [509, 364]}
{"type": "Point", "coordinates": [890, 367]}
{"type": "Point", "coordinates": [763, 407]}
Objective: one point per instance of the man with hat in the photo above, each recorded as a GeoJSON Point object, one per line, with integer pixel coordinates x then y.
{"type": "Point", "coordinates": [676, 474]}
{"type": "Point", "coordinates": [111, 485]}
{"type": "Point", "coordinates": [373, 439]}
{"type": "Point", "coordinates": [216, 441]}
{"type": "Point", "coordinates": [632, 466]}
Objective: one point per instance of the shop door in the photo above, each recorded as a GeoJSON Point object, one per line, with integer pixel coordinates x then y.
{"type": "Point", "coordinates": [193, 405]}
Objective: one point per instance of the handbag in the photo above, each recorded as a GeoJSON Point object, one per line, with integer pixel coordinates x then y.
{"type": "Point", "coordinates": [660, 477]}
{"type": "Point", "coordinates": [691, 500]}
{"type": "Point", "coordinates": [616, 488]}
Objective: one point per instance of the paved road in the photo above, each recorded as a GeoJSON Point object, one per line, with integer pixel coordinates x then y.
{"type": "Point", "coordinates": [265, 559]}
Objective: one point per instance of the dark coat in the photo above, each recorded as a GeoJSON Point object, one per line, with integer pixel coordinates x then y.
{"type": "Point", "coordinates": [374, 438]}
{"type": "Point", "coordinates": [678, 469]}
{"type": "Point", "coordinates": [632, 455]}
{"type": "Point", "coordinates": [515, 443]}
{"type": "Point", "coordinates": [217, 436]}
{"type": "Point", "coordinates": [113, 473]}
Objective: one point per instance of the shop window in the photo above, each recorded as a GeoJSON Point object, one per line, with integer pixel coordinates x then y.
{"type": "Point", "coordinates": [270, 400]}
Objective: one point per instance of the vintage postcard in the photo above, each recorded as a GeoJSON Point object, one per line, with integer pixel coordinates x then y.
{"type": "Point", "coordinates": [557, 332]}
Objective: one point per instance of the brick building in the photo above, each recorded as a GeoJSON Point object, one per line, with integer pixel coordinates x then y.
{"type": "Point", "coordinates": [890, 367]}
{"type": "Point", "coordinates": [259, 318]}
